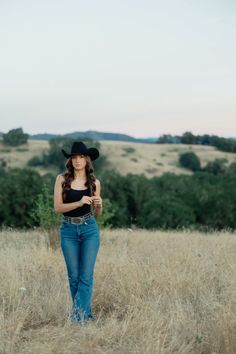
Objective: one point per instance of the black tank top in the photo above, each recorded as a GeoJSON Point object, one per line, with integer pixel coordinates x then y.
{"type": "Point", "coordinates": [74, 195]}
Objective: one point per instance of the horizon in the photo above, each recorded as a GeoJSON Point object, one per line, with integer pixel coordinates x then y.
{"type": "Point", "coordinates": [115, 132]}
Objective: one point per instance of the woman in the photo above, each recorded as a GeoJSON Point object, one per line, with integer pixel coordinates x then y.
{"type": "Point", "coordinates": [77, 197]}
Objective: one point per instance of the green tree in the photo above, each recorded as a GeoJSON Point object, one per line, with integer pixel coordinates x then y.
{"type": "Point", "coordinates": [217, 208]}
{"type": "Point", "coordinates": [109, 210]}
{"type": "Point", "coordinates": [190, 160]}
{"type": "Point", "coordinates": [165, 211]}
{"type": "Point", "coordinates": [216, 167]}
{"type": "Point", "coordinates": [112, 187]}
{"type": "Point", "coordinates": [168, 139]}
{"type": "Point", "coordinates": [188, 138]}
{"type": "Point", "coordinates": [232, 168]}
{"type": "Point", "coordinates": [15, 137]}
{"type": "Point", "coordinates": [19, 189]}
{"type": "Point", "coordinates": [136, 188]}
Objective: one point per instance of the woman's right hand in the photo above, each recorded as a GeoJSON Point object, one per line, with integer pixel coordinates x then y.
{"type": "Point", "coordinates": [86, 200]}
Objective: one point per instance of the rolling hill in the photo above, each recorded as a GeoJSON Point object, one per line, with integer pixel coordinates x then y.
{"type": "Point", "coordinates": [94, 135]}
{"type": "Point", "coordinates": [125, 157]}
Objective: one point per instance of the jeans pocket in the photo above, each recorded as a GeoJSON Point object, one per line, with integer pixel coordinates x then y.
{"type": "Point", "coordinates": [91, 221]}
{"type": "Point", "coordinates": [64, 224]}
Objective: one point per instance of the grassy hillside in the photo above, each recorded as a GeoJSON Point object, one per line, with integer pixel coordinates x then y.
{"type": "Point", "coordinates": [18, 156]}
{"type": "Point", "coordinates": [155, 159]}
{"type": "Point", "coordinates": [154, 292]}
{"type": "Point", "coordinates": [125, 157]}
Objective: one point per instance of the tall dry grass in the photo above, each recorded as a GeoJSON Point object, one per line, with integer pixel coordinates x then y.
{"type": "Point", "coordinates": [154, 292]}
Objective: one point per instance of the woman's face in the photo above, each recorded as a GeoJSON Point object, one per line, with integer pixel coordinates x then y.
{"type": "Point", "coordinates": [79, 162]}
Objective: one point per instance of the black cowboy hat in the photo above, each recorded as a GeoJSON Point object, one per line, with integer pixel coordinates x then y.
{"type": "Point", "coordinates": [79, 147]}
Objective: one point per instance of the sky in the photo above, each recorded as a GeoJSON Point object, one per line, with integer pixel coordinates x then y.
{"type": "Point", "coordinates": [138, 67]}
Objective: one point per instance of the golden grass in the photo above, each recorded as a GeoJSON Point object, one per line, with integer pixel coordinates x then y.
{"type": "Point", "coordinates": [156, 159]}
{"type": "Point", "coordinates": [154, 292]}
{"type": "Point", "coordinates": [14, 157]}
{"type": "Point", "coordinates": [149, 159]}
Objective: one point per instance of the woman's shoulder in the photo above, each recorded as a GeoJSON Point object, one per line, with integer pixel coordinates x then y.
{"type": "Point", "coordinates": [60, 177]}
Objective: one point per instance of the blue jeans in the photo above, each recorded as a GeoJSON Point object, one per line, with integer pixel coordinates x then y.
{"type": "Point", "coordinates": [80, 244]}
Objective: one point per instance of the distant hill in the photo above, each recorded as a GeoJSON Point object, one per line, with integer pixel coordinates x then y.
{"type": "Point", "coordinates": [95, 135]}
{"type": "Point", "coordinates": [43, 136]}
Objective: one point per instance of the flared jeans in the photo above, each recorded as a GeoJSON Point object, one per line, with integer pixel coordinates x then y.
{"type": "Point", "coordinates": [80, 244]}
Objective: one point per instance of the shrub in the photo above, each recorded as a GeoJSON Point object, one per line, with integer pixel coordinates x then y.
{"type": "Point", "coordinates": [109, 210]}
{"type": "Point", "coordinates": [3, 163]}
{"type": "Point", "coordinates": [216, 167]}
{"type": "Point", "coordinates": [22, 149]}
{"type": "Point", "coordinates": [43, 211]}
{"type": "Point", "coordinates": [190, 160]}
{"type": "Point", "coordinates": [35, 161]}
{"type": "Point", "coordinates": [5, 150]}
{"type": "Point", "coordinates": [232, 168]}
{"type": "Point", "coordinates": [129, 150]}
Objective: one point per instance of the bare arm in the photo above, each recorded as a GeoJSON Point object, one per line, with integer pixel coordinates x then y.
{"type": "Point", "coordinates": [97, 200]}
{"type": "Point", "coordinates": [59, 206]}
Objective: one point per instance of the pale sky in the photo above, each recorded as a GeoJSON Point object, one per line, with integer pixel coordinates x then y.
{"type": "Point", "coordinates": [139, 67]}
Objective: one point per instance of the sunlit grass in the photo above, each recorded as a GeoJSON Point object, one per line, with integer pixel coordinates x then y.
{"type": "Point", "coordinates": [154, 292]}
{"type": "Point", "coordinates": [156, 159]}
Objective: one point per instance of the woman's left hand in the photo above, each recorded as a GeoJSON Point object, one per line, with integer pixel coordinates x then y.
{"type": "Point", "coordinates": [97, 201]}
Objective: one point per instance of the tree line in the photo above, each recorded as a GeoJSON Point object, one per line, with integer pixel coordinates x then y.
{"type": "Point", "coordinates": [205, 200]}
{"type": "Point", "coordinates": [223, 144]}
{"type": "Point", "coordinates": [202, 201]}
{"type": "Point", "coordinates": [16, 137]}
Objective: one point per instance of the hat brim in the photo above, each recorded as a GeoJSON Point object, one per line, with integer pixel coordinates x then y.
{"type": "Point", "coordinates": [92, 152]}
{"type": "Point", "coordinates": [65, 153]}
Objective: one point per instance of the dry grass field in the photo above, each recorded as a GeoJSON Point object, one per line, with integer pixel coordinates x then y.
{"type": "Point", "coordinates": [156, 159]}
{"type": "Point", "coordinates": [19, 156]}
{"type": "Point", "coordinates": [125, 157]}
{"type": "Point", "coordinates": [154, 292]}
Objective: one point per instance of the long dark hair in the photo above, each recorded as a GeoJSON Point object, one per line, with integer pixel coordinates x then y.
{"type": "Point", "coordinates": [69, 176]}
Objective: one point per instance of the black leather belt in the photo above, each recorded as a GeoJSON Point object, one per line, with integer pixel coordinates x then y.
{"type": "Point", "coordinates": [77, 219]}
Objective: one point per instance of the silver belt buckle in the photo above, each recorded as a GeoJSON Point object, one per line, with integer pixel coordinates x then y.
{"type": "Point", "coordinates": [78, 220]}
{"type": "Point", "coordinates": [81, 220]}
